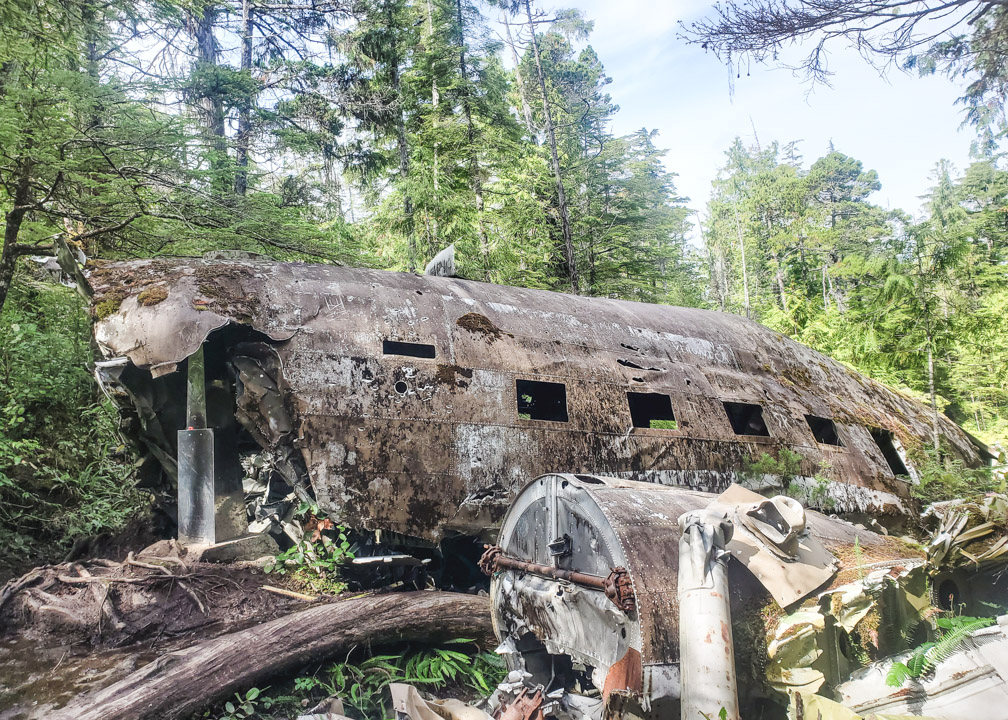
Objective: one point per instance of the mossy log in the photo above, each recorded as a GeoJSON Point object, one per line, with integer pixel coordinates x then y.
{"type": "Point", "coordinates": [181, 683]}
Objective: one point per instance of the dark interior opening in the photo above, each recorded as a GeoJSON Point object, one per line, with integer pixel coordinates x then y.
{"type": "Point", "coordinates": [884, 440]}
{"type": "Point", "coordinates": [409, 349]}
{"type": "Point", "coordinates": [949, 596]}
{"type": "Point", "coordinates": [651, 410]}
{"type": "Point", "coordinates": [746, 418]}
{"type": "Point", "coordinates": [539, 400]}
{"type": "Point", "coordinates": [824, 430]}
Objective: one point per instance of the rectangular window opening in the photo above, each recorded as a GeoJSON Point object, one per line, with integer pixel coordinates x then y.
{"type": "Point", "coordinates": [539, 400]}
{"type": "Point", "coordinates": [887, 444]}
{"type": "Point", "coordinates": [652, 410]}
{"type": "Point", "coordinates": [409, 349]}
{"type": "Point", "coordinates": [746, 418]}
{"type": "Point", "coordinates": [824, 430]}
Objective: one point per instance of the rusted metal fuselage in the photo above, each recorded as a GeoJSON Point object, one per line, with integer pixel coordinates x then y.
{"type": "Point", "coordinates": [420, 405]}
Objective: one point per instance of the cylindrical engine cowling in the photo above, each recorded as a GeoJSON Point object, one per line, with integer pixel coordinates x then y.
{"type": "Point", "coordinates": [565, 631]}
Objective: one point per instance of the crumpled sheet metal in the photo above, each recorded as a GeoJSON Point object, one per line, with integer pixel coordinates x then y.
{"type": "Point", "coordinates": [791, 571]}
{"type": "Point", "coordinates": [970, 683]}
{"type": "Point", "coordinates": [804, 652]}
{"type": "Point", "coordinates": [408, 704]}
{"type": "Point", "coordinates": [970, 534]}
{"type": "Point", "coordinates": [399, 443]}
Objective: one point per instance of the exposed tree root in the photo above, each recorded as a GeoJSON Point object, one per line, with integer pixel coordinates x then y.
{"type": "Point", "coordinates": [113, 603]}
{"type": "Point", "coordinates": [180, 683]}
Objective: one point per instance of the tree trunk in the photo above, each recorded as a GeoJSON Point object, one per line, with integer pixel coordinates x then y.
{"type": "Point", "coordinates": [745, 269]}
{"type": "Point", "coordinates": [931, 390]}
{"type": "Point", "coordinates": [181, 683]}
{"type": "Point", "coordinates": [780, 286]}
{"type": "Point", "coordinates": [404, 167]}
{"type": "Point", "coordinates": [519, 82]}
{"type": "Point", "coordinates": [435, 102]}
{"type": "Point", "coordinates": [474, 168]}
{"type": "Point", "coordinates": [212, 101]}
{"type": "Point", "coordinates": [243, 139]}
{"type": "Point", "coordinates": [12, 229]}
{"type": "Point", "coordinates": [565, 226]}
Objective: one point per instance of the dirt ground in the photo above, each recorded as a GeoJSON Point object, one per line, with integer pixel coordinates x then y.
{"type": "Point", "coordinates": [78, 626]}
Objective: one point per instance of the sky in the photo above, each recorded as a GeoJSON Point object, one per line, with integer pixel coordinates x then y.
{"type": "Point", "coordinates": [899, 125]}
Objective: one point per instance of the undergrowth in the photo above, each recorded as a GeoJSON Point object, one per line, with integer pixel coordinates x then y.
{"type": "Point", "coordinates": [314, 562]}
{"type": "Point", "coordinates": [944, 478]}
{"type": "Point", "coordinates": [457, 668]}
{"type": "Point", "coordinates": [63, 470]}
{"type": "Point", "coordinates": [954, 632]}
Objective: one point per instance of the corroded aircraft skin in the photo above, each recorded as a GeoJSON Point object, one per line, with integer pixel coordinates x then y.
{"type": "Point", "coordinates": [421, 404]}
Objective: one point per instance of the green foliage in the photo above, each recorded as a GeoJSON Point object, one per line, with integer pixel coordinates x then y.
{"type": "Point", "coordinates": [246, 706]}
{"type": "Point", "coordinates": [363, 686]}
{"type": "Point", "coordinates": [942, 478]}
{"type": "Point", "coordinates": [315, 566]}
{"type": "Point", "coordinates": [786, 465]}
{"type": "Point", "coordinates": [63, 472]}
{"type": "Point", "coordinates": [954, 632]}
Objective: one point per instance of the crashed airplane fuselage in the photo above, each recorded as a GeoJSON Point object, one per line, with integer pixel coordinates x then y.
{"type": "Point", "coordinates": [421, 405]}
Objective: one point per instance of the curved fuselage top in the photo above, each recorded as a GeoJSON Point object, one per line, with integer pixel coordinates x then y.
{"type": "Point", "coordinates": [423, 403]}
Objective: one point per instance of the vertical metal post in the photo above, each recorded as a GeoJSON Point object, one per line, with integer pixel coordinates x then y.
{"type": "Point", "coordinates": [196, 391]}
{"type": "Point", "coordinates": [196, 522]}
{"type": "Point", "coordinates": [707, 651]}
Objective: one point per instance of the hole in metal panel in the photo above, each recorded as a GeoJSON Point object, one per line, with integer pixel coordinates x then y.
{"type": "Point", "coordinates": [746, 418]}
{"type": "Point", "coordinates": [884, 440]}
{"type": "Point", "coordinates": [400, 387]}
{"type": "Point", "coordinates": [651, 410]}
{"type": "Point", "coordinates": [409, 349]}
{"type": "Point", "coordinates": [948, 595]}
{"type": "Point", "coordinates": [824, 430]}
{"type": "Point", "coordinates": [540, 400]}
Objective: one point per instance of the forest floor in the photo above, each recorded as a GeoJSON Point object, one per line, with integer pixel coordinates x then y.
{"type": "Point", "coordinates": [75, 627]}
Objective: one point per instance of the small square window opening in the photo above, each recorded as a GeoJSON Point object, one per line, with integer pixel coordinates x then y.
{"type": "Point", "coordinates": [824, 430]}
{"type": "Point", "coordinates": [746, 418]}
{"type": "Point", "coordinates": [408, 349]}
{"type": "Point", "coordinates": [885, 442]}
{"type": "Point", "coordinates": [651, 410]}
{"type": "Point", "coordinates": [539, 400]}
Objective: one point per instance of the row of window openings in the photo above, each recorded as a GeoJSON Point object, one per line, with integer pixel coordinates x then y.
{"type": "Point", "coordinates": [540, 400]}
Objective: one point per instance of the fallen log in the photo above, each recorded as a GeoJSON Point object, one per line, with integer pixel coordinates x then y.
{"type": "Point", "coordinates": [180, 683]}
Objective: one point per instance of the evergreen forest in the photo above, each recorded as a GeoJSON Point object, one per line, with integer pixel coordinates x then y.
{"type": "Point", "coordinates": [378, 133]}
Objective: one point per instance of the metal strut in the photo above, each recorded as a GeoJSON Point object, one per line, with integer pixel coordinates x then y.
{"type": "Point", "coordinates": [616, 586]}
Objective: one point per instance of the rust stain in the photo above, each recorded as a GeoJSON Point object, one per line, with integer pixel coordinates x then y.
{"type": "Point", "coordinates": [625, 676]}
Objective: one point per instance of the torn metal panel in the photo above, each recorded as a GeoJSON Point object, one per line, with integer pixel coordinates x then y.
{"type": "Point", "coordinates": [973, 534]}
{"type": "Point", "coordinates": [772, 539]}
{"type": "Point", "coordinates": [403, 440]}
{"type": "Point", "coordinates": [816, 647]}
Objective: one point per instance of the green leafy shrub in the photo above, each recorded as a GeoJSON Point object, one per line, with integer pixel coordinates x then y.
{"type": "Point", "coordinates": [954, 631]}
{"type": "Point", "coordinates": [314, 563]}
{"type": "Point", "coordinates": [942, 478]}
{"type": "Point", "coordinates": [63, 470]}
{"type": "Point", "coordinates": [786, 465]}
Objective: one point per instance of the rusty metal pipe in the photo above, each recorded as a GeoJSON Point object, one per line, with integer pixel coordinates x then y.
{"type": "Point", "coordinates": [616, 585]}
